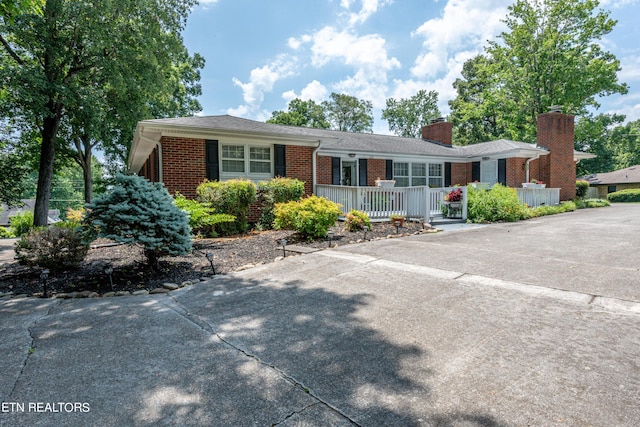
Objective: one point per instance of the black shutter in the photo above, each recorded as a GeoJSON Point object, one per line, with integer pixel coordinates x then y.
{"type": "Point", "coordinates": [362, 172]}
{"type": "Point", "coordinates": [335, 170]}
{"type": "Point", "coordinates": [280, 164]}
{"type": "Point", "coordinates": [389, 170]}
{"type": "Point", "coordinates": [213, 165]}
{"type": "Point", "coordinates": [447, 174]}
{"type": "Point", "coordinates": [502, 171]}
{"type": "Point", "coordinates": [475, 171]}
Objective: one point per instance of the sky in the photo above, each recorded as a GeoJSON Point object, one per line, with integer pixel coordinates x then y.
{"type": "Point", "coordinates": [262, 54]}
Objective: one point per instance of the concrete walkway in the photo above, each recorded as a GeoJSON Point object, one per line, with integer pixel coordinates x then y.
{"type": "Point", "coordinates": [534, 323]}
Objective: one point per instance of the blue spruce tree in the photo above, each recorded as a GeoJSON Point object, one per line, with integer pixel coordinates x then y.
{"type": "Point", "coordinates": [139, 212]}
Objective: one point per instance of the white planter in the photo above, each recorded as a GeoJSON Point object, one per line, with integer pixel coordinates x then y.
{"type": "Point", "coordinates": [385, 183]}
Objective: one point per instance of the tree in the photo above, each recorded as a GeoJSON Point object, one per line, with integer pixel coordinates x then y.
{"type": "Point", "coordinates": [301, 113]}
{"type": "Point", "coordinates": [73, 54]}
{"type": "Point", "coordinates": [406, 117]}
{"type": "Point", "coordinates": [140, 212]}
{"type": "Point", "coordinates": [549, 56]}
{"type": "Point", "coordinates": [13, 179]}
{"type": "Point", "coordinates": [349, 114]}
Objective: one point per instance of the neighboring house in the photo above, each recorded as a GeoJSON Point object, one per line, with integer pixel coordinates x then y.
{"type": "Point", "coordinates": [183, 152]}
{"type": "Point", "coordinates": [611, 182]}
{"type": "Point", "coordinates": [29, 204]}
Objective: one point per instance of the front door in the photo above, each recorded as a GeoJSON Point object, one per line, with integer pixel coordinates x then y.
{"type": "Point", "coordinates": [349, 172]}
{"type": "Point", "coordinates": [489, 171]}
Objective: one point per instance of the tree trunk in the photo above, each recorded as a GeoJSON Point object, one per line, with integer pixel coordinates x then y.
{"type": "Point", "coordinates": [86, 156]}
{"type": "Point", "coordinates": [45, 173]}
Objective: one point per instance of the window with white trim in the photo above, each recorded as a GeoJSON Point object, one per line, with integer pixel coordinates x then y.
{"type": "Point", "coordinates": [401, 174]}
{"type": "Point", "coordinates": [436, 177]}
{"type": "Point", "coordinates": [417, 174]}
{"type": "Point", "coordinates": [244, 160]}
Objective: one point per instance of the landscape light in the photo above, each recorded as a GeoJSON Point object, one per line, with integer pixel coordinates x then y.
{"type": "Point", "coordinates": [44, 275]}
{"type": "Point", "coordinates": [209, 256]}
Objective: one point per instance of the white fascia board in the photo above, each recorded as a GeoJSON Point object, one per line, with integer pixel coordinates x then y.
{"type": "Point", "coordinates": [397, 157]}
{"type": "Point", "coordinates": [207, 133]}
{"type": "Point", "coordinates": [522, 154]}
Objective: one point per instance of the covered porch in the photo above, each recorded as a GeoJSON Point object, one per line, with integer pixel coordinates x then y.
{"type": "Point", "coordinates": [414, 203]}
{"type": "Point", "coordinates": [420, 202]}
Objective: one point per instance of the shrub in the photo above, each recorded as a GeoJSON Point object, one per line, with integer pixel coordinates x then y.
{"type": "Point", "coordinates": [500, 203]}
{"type": "Point", "coordinates": [552, 210]}
{"type": "Point", "coordinates": [201, 215]}
{"type": "Point", "coordinates": [5, 233]}
{"type": "Point", "coordinates": [55, 248]}
{"type": "Point", "coordinates": [233, 197]}
{"type": "Point", "coordinates": [591, 203]}
{"type": "Point", "coordinates": [276, 190]}
{"type": "Point", "coordinates": [74, 214]}
{"type": "Point", "coordinates": [630, 195]}
{"type": "Point", "coordinates": [581, 188]}
{"type": "Point", "coordinates": [21, 223]}
{"type": "Point", "coordinates": [311, 217]}
{"type": "Point", "coordinates": [137, 211]}
{"type": "Point", "coordinates": [356, 220]}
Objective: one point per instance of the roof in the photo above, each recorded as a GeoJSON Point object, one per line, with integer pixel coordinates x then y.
{"type": "Point", "coordinates": [149, 132]}
{"type": "Point", "coordinates": [630, 175]}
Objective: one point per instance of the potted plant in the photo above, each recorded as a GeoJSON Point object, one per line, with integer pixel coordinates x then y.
{"type": "Point", "coordinates": [397, 220]}
{"type": "Point", "coordinates": [452, 202]}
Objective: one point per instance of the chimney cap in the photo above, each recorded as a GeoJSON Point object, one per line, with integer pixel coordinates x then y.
{"type": "Point", "coordinates": [556, 109]}
{"type": "Point", "coordinates": [437, 120]}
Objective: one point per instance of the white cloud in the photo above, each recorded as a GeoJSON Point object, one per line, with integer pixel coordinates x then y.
{"type": "Point", "coordinates": [369, 7]}
{"type": "Point", "coordinates": [314, 91]}
{"type": "Point", "coordinates": [261, 81]}
{"type": "Point", "coordinates": [464, 25]}
{"type": "Point", "coordinates": [615, 4]}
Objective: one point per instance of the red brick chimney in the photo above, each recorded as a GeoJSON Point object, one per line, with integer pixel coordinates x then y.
{"type": "Point", "coordinates": [438, 130]}
{"type": "Point", "coordinates": [558, 169]}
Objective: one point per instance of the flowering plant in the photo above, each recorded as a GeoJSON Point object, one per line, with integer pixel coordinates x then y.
{"type": "Point", "coordinates": [454, 195]}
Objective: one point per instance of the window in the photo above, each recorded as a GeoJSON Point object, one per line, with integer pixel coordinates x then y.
{"type": "Point", "coordinates": [436, 177]}
{"type": "Point", "coordinates": [233, 158]}
{"type": "Point", "coordinates": [260, 160]}
{"type": "Point", "coordinates": [611, 189]}
{"type": "Point", "coordinates": [245, 160]}
{"type": "Point", "coordinates": [419, 174]}
{"type": "Point", "coordinates": [401, 174]}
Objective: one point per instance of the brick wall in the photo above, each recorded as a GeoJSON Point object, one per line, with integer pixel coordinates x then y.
{"type": "Point", "coordinates": [556, 133]}
{"type": "Point", "coordinates": [300, 165]}
{"type": "Point", "coordinates": [460, 173]}
{"type": "Point", "coordinates": [441, 132]}
{"type": "Point", "coordinates": [376, 169]}
{"type": "Point", "coordinates": [323, 165]}
{"type": "Point", "coordinates": [516, 173]}
{"type": "Point", "coordinates": [183, 164]}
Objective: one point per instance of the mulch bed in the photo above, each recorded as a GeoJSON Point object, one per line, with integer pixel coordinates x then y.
{"type": "Point", "coordinates": [131, 273]}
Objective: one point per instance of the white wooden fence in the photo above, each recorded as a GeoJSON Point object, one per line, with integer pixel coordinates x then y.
{"type": "Point", "coordinates": [380, 203]}
{"type": "Point", "coordinates": [534, 197]}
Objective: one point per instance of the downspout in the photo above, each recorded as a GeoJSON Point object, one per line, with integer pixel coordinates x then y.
{"type": "Point", "coordinates": [313, 165]}
{"type": "Point", "coordinates": [160, 177]}
{"type": "Point", "coordinates": [526, 166]}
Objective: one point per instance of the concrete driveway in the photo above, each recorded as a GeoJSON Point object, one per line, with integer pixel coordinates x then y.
{"type": "Point", "coordinates": [529, 324]}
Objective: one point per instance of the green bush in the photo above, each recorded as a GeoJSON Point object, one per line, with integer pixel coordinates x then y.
{"type": "Point", "coordinates": [582, 187]}
{"type": "Point", "coordinates": [233, 197]}
{"type": "Point", "coordinates": [552, 210]}
{"type": "Point", "coordinates": [21, 223]}
{"type": "Point", "coordinates": [591, 203]}
{"type": "Point", "coordinates": [500, 203]}
{"type": "Point", "coordinates": [202, 217]}
{"type": "Point", "coordinates": [55, 248]}
{"type": "Point", "coordinates": [356, 220]}
{"type": "Point", "coordinates": [630, 195]}
{"type": "Point", "coordinates": [276, 190]}
{"type": "Point", "coordinates": [5, 233]}
{"type": "Point", "coordinates": [137, 211]}
{"type": "Point", "coordinates": [311, 217]}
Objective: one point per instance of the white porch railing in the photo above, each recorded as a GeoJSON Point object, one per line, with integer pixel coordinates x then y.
{"type": "Point", "coordinates": [380, 203]}
{"type": "Point", "coordinates": [534, 197]}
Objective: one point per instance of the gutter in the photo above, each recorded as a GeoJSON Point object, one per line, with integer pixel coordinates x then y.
{"type": "Point", "coordinates": [526, 166]}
